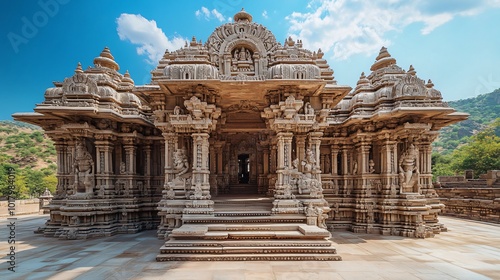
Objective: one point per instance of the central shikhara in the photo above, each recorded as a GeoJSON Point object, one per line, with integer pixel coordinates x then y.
{"type": "Point", "coordinates": [242, 149]}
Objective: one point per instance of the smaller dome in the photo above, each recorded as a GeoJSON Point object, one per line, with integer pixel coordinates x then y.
{"type": "Point", "coordinates": [242, 16]}
{"type": "Point", "coordinates": [106, 59]}
{"type": "Point", "coordinates": [79, 68]}
{"type": "Point", "coordinates": [126, 80]}
{"type": "Point", "coordinates": [383, 59]}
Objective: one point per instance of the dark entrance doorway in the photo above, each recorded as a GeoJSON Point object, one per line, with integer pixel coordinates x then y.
{"type": "Point", "coordinates": [243, 168]}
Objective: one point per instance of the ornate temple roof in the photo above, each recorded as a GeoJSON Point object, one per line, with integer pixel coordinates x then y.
{"type": "Point", "coordinates": [245, 51]}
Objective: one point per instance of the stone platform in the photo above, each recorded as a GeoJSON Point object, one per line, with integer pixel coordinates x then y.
{"type": "Point", "coordinates": [469, 250]}
{"type": "Point", "coordinates": [243, 229]}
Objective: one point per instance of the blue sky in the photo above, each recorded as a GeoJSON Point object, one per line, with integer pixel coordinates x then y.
{"type": "Point", "coordinates": [456, 43]}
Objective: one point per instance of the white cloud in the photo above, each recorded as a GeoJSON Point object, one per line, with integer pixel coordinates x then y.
{"type": "Point", "coordinates": [360, 27]}
{"type": "Point", "coordinates": [205, 13]}
{"type": "Point", "coordinates": [150, 38]}
{"type": "Point", "coordinates": [264, 14]}
{"type": "Point", "coordinates": [218, 15]}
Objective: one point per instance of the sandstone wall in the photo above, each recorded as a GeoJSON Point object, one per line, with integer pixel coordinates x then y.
{"type": "Point", "coordinates": [24, 206]}
{"type": "Point", "coordinates": [475, 203]}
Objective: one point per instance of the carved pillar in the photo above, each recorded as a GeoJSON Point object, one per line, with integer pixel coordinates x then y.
{"type": "Point", "coordinates": [104, 167]}
{"type": "Point", "coordinates": [130, 155]}
{"type": "Point", "coordinates": [300, 143]}
{"type": "Point", "coordinates": [62, 164]}
{"type": "Point", "coordinates": [201, 170]}
{"type": "Point", "coordinates": [314, 145]}
{"type": "Point", "coordinates": [147, 159]}
{"type": "Point", "coordinates": [345, 167]}
{"type": "Point", "coordinates": [394, 159]}
{"type": "Point", "coordinates": [213, 169]}
{"type": "Point", "coordinates": [265, 159]}
{"type": "Point", "coordinates": [256, 58]}
{"type": "Point", "coordinates": [273, 158]}
{"type": "Point", "coordinates": [147, 166]}
{"type": "Point", "coordinates": [284, 154]}
{"type": "Point", "coordinates": [334, 154]}
{"type": "Point", "coordinates": [227, 64]}
{"type": "Point", "coordinates": [169, 149]}
{"type": "Point", "coordinates": [364, 154]}
{"type": "Point", "coordinates": [386, 157]}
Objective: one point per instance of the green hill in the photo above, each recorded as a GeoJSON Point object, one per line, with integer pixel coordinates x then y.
{"type": "Point", "coordinates": [32, 156]}
{"type": "Point", "coordinates": [483, 110]}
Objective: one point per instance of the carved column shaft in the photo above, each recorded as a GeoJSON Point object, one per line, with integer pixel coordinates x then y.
{"type": "Point", "coordinates": [301, 149]}
{"type": "Point", "coordinates": [147, 160]}
{"type": "Point", "coordinates": [201, 170]}
{"type": "Point", "coordinates": [334, 154]}
{"type": "Point", "coordinates": [284, 154]}
{"type": "Point", "coordinates": [169, 149]}
{"type": "Point", "coordinates": [345, 167]}
{"type": "Point", "coordinates": [364, 154]}
{"type": "Point", "coordinates": [273, 158]}
{"type": "Point", "coordinates": [130, 154]}
{"type": "Point", "coordinates": [265, 160]}
{"type": "Point", "coordinates": [315, 144]}
{"type": "Point", "coordinates": [219, 157]}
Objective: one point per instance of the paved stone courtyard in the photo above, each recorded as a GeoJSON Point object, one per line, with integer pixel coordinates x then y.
{"type": "Point", "coordinates": [469, 250]}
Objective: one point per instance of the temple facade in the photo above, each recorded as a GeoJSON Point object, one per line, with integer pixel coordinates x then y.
{"type": "Point", "coordinates": [242, 121]}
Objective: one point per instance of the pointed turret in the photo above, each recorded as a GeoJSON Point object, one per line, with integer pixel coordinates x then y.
{"type": "Point", "coordinates": [242, 16]}
{"type": "Point", "coordinates": [79, 68]}
{"type": "Point", "coordinates": [126, 80]}
{"type": "Point", "coordinates": [106, 59]}
{"type": "Point", "coordinates": [383, 59]}
{"type": "Point", "coordinates": [412, 71]}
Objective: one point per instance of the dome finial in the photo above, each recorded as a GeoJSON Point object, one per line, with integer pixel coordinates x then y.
{"type": "Point", "coordinates": [383, 59]}
{"type": "Point", "coordinates": [106, 59]}
{"type": "Point", "coordinates": [242, 16]}
{"type": "Point", "coordinates": [79, 68]}
{"type": "Point", "coordinates": [412, 71]}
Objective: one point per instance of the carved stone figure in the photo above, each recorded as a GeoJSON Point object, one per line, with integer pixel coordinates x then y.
{"type": "Point", "coordinates": [408, 170]}
{"type": "Point", "coordinates": [355, 168]}
{"type": "Point", "coordinates": [83, 166]}
{"type": "Point", "coordinates": [371, 166]}
{"type": "Point", "coordinates": [181, 163]}
{"type": "Point", "coordinates": [123, 168]}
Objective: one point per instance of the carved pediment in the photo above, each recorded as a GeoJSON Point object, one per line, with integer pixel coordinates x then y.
{"type": "Point", "coordinates": [80, 84]}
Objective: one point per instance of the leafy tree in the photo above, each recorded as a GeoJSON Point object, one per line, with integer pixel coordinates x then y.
{"type": "Point", "coordinates": [481, 154]}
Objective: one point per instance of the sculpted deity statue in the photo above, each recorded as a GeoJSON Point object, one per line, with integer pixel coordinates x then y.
{"type": "Point", "coordinates": [371, 165]}
{"type": "Point", "coordinates": [83, 170]}
{"type": "Point", "coordinates": [408, 170]}
{"type": "Point", "coordinates": [181, 164]}
{"type": "Point", "coordinates": [308, 109]}
{"type": "Point", "coordinates": [123, 168]}
{"type": "Point", "coordinates": [355, 168]}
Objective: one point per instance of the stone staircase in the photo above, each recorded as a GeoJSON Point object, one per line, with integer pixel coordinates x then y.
{"type": "Point", "coordinates": [243, 229]}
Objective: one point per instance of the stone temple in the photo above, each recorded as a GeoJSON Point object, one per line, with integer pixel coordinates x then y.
{"type": "Point", "coordinates": [243, 148]}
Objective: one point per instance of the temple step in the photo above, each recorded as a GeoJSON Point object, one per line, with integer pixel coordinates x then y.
{"type": "Point", "coordinates": [247, 250]}
{"type": "Point", "coordinates": [248, 257]}
{"type": "Point", "coordinates": [244, 217]}
{"type": "Point", "coordinates": [248, 242]}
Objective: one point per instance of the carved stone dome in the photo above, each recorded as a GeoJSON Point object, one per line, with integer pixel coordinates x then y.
{"type": "Point", "coordinates": [242, 16]}
{"type": "Point", "coordinates": [106, 59]}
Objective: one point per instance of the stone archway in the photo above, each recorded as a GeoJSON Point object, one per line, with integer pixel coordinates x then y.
{"type": "Point", "coordinates": [243, 163]}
